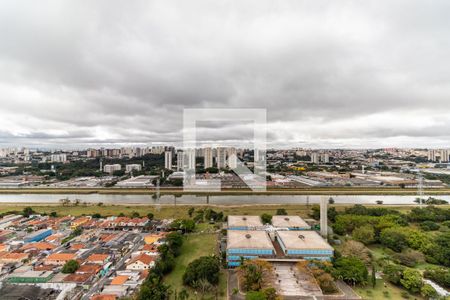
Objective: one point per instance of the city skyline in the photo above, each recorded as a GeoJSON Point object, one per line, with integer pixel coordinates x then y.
{"type": "Point", "coordinates": [331, 75]}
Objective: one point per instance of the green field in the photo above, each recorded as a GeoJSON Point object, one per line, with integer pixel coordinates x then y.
{"type": "Point", "coordinates": [384, 292]}
{"type": "Point", "coordinates": [195, 245]}
{"type": "Point", "coordinates": [170, 211]}
{"type": "Point", "coordinates": [270, 191]}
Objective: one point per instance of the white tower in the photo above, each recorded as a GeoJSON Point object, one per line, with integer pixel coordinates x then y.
{"type": "Point", "coordinates": [324, 217]}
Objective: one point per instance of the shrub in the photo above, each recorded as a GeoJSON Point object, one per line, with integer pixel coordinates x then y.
{"type": "Point", "coordinates": [266, 219]}
{"type": "Point", "coordinates": [394, 238]}
{"type": "Point", "coordinates": [393, 273]}
{"type": "Point", "coordinates": [70, 266]}
{"type": "Point", "coordinates": [364, 234]}
{"type": "Point", "coordinates": [428, 291]}
{"type": "Point", "coordinates": [351, 269]}
{"type": "Point", "coordinates": [205, 267]}
{"type": "Point", "coordinates": [409, 259]}
{"type": "Point", "coordinates": [411, 280]}
{"type": "Point", "coordinates": [429, 226]}
{"type": "Point", "coordinates": [440, 275]}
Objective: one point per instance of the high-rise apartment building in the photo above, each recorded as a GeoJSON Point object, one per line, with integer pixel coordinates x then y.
{"type": "Point", "coordinates": [232, 158]}
{"type": "Point", "coordinates": [168, 160]}
{"type": "Point", "coordinates": [315, 157]}
{"type": "Point", "coordinates": [444, 155]}
{"type": "Point", "coordinates": [221, 158]}
{"type": "Point", "coordinates": [189, 159]}
{"type": "Point", "coordinates": [112, 168]}
{"type": "Point", "coordinates": [180, 160]}
{"type": "Point", "coordinates": [208, 158]}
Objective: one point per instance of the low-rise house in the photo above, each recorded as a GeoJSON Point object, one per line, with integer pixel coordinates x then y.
{"type": "Point", "coordinates": [39, 246]}
{"type": "Point", "coordinates": [89, 269]}
{"type": "Point", "coordinates": [150, 249]}
{"type": "Point", "coordinates": [78, 277]}
{"type": "Point", "coordinates": [141, 262]}
{"type": "Point", "coordinates": [8, 257]}
{"type": "Point", "coordinates": [79, 222]}
{"type": "Point", "coordinates": [104, 297]}
{"type": "Point", "coordinates": [59, 258]}
{"type": "Point", "coordinates": [100, 259]}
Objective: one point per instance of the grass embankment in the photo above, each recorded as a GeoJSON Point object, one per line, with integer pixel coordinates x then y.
{"type": "Point", "coordinates": [381, 291]}
{"type": "Point", "coordinates": [174, 211]}
{"type": "Point", "coordinates": [196, 245]}
{"type": "Point", "coordinates": [270, 191]}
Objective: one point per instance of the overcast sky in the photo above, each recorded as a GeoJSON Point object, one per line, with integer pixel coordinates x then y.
{"type": "Point", "coordinates": [330, 73]}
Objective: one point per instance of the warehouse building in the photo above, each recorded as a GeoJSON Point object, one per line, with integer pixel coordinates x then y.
{"type": "Point", "coordinates": [248, 244]}
{"type": "Point", "coordinates": [244, 223]}
{"type": "Point", "coordinates": [307, 245]}
{"type": "Point", "coordinates": [290, 222]}
{"type": "Point", "coordinates": [38, 236]}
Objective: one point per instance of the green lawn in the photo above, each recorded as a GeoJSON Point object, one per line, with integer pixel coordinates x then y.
{"type": "Point", "coordinates": [194, 246]}
{"type": "Point", "coordinates": [380, 292]}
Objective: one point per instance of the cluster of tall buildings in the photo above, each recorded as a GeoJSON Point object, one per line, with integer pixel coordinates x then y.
{"type": "Point", "coordinates": [126, 151]}
{"type": "Point", "coordinates": [317, 157]}
{"type": "Point", "coordinates": [439, 155]}
{"type": "Point", "coordinates": [220, 158]}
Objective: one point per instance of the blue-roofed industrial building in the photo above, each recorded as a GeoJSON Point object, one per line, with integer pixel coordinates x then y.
{"type": "Point", "coordinates": [38, 236]}
{"type": "Point", "coordinates": [307, 245]}
{"type": "Point", "coordinates": [248, 244]}
{"type": "Point", "coordinates": [288, 238]}
{"type": "Point", "coordinates": [245, 223]}
{"type": "Point", "coordinates": [290, 222]}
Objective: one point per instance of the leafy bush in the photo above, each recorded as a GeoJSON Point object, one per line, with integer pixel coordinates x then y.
{"type": "Point", "coordinates": [441, 276]}
{"type": "Point", "coordinates": [351, 270]}
{"type": "Point", "coordinates": [429, 226]}
{"type": "Point", "coordinates": [205, 267]}
{"type": "Point", "coordinates": [394, 238]}
{"type": "Point", "coordinates": [70, 266]}
{"type": "Point", "coordinates": [409, 258]}
{"type": "Point", "coordinates": [364, 234]}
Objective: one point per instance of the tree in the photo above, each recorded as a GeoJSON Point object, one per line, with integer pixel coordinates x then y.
{"type": "Point", "coordinates": [330, 201]}
{"type": "Point", "coordinates": [135, 214]}
{"type": "Point", "coordinates": [70, 266]}
{"type": "Point", "coordinates": [356, 249]}
{"type": "Point", "coordinates": [394, 238]}
{"type": "Point", "coordinates": [27, 211]}
{"type": "Point", "coordinates": [440, 250]}
{"type": "Point", "coordinates": [154, 289]}
{"type": "Point", "coordinates": [281, 212]}
{"type": "Point", "coordinates": [150, 216]}
{"type": "Point", "coordinates": [351, 270]}
{"type": "Point", "coordinates": [411, 280]}
{"type": "Point", "coordinates": [205, 267]}
{"type": "Point", "coordinates": [266, 219]}
{"type": "Point", "coordinates": [174, 240]}
{"type": "Point", "coordinates": [53, 214]}
{"type": "Point", "coordinates": [428, 292]}
{"type": "Point", "coordinates": [191, 211]}
{"type": "Point", "coordinates": [254, 274]}
{"type": "Point", "coordinates": [374, 277]}
{"type": "Point", "coordinates": [364, 234]}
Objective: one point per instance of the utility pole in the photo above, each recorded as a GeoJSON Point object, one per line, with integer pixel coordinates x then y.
{"type": "Point", "coordinates": [420, 188]}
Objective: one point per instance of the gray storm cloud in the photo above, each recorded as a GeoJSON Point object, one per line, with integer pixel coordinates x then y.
{"type": "Point", "coordinates": [329, 73]}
